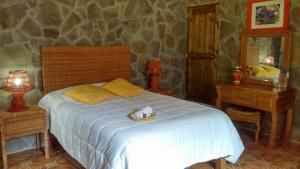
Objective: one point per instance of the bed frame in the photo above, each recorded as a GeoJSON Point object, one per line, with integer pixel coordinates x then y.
{"type": "Point", "coordinates": [64, 66]}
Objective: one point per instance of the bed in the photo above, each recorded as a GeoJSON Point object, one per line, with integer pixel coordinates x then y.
{"type": "Point", "coordinates": [103, 137]}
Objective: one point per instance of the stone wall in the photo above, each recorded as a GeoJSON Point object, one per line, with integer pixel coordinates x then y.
{"type": "Point", "coordinates": [233, 24]}
{"type": "Point", "coordinates": [152, 28]}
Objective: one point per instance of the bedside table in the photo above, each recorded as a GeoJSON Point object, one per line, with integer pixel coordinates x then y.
{"type": "Point", "coordinates": [164, 91]}
{"type": "Point", "coordinates": [18, 124]}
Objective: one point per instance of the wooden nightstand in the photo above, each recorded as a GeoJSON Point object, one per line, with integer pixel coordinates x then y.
{"type": "Point", "coordinates": [164, 91]}
{"type": "Point", "coordinates": [18, 124]}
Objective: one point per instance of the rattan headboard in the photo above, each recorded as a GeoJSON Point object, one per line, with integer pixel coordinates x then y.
{"type": "Point", "coordinates": [65, 66]}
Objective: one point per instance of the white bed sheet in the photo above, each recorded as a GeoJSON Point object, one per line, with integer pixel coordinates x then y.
{"type": "Point", "coordinates": [103, 137]}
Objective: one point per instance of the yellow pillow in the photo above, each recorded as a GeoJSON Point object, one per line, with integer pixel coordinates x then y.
{"type": "Point", "coordinates": [123, 88]}
{"type": "Point", "coordinates": [259, 71]}
{"type": "Point", "coordinates": [88, 94]}
{"type": "Point", "coordinates": [272, 70]}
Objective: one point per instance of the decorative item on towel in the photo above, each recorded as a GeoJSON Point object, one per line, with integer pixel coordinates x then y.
{"type": "Point", "coordinates": [145, 113]}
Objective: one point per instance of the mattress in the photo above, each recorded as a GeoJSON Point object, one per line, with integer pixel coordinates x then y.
{"type": "Point", "coordinates": [102, 136]}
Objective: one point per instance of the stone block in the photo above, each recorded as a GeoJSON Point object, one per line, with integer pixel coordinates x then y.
{"type": "Point", "coordinates": [32, 3]}
{"type": "Point", "coordinates": [73, 20]}
{"type": "Point", "coordinates": [130, 8]}
{"type": "Point", "coordinates": [154, 49]}
{"type": "Point", "coordinates": [111, 13]}
{"type": "Point", "coordinates": [69, 3]}
{"type": "Point", "coordinates": [181, 45]}
{"type": "Point", "coordinates": [49, 14]}
{"type": "Point", "coordinates": [5, 38]}
{"type": "Point", "coordinates": [5, 98]}
{"type": "Point", "coordinates": [94, 11]}
{"type": "Point", "coordinates": [144, 8]}
{"type": "Point", "coordinates": [110, 37]}
{"type": "Point", "coordinates": [62, 41]}
{"type": "Point", "coordinates": [83, 42]}
{"type": "Point", "coordinates": [231, 48]}
{"type": "Point", "coordinates": [159, 17]}
{"type": "Point", "coordinates": [51, 33]}
{"type": "Point", "coordinates": [31, 27]}
{"type": "Point", "coordinates": [87, 29]}
{"type": "Point", "coordinates": [132, 25]}
{"type": "Point", "coordinates": [106, 3]}
{"type": "Point", "coordinates": [139, 47]}
{"type": "Point", "coordinates": [12, 15]}
{"type": "Point", "coordinates": [20, 36]}
{"type": "Point", "coordinates": [161, 31]}
{"type": "Point", "coordinates": [147, 35]}
{"type": "Point", "coordinates": [178, 29]}
{"type": "Point", "coordinates": [15, 56]}
{"type": "Point", "coordinates": [161, 4]}
{"type": "Point", "coordinates": [295, 15]}
{"type": "Point", "coordinates": [227, 28]}
{"type": "Point", "coordinates": [170, 41]}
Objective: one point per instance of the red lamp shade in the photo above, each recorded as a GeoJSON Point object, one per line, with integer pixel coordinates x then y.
{"type": "Point", "coordinates": [17, 83]}
{"type": "Point", "coordinates": [154, 70]}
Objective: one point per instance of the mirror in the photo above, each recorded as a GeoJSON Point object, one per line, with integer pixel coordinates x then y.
{"type": "Point", "coordinates": [264, 55]}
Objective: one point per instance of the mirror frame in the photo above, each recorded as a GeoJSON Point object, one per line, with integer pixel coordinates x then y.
{"type": "Point", "coordinates": [263, 33]}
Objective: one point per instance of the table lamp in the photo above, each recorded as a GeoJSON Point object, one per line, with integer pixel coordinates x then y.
{"type": "Point", "coordinates": [18, 84]}
{"type": "Point", "coordinates": [154, 70]}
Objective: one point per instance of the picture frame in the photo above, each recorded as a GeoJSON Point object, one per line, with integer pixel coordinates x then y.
{"type": "Point", "coordinates": [267, 15]}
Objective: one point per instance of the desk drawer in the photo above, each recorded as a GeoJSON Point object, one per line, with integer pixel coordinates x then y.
{"type": "Point", "coordinates": [226, 94]}
{"type": "Point", "coordinates": [19, 127]}
{"type": "Point", "coordinates": [264, 101]}
{"type": "Point", "coordinates": [243, 97]}
{"type": "Point", "coordinates": [257, 97]}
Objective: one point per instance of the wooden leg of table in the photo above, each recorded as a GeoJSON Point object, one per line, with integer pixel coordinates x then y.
{"type": "Point", "coordinates": [220, 163]}
{"type": "Point", "coordinates": [218, 102]}
{"type": "Point", "coordinates": [257, 133]}
{"type": "Point", "coordinates": [46, 138]}
{"type": "Point", "coordinates": [37, 141]}
{"type": "Point", "coordinates": [288, 126]}
{"type": "Point", "coordinates": [272, 138]}
{"type": "Point", "coordinates": [3, 148]}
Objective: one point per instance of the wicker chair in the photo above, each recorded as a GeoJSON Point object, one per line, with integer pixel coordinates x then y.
{"type": "Point", "coordinates": [247, 115]}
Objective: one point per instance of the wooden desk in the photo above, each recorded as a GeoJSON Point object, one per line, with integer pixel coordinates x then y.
{"type": "Point", "coordinates": [261, 98]}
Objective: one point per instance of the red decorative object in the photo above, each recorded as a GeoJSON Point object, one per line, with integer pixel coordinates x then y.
{"type": "Point", "coordinates": [267, 15]}
{"type": "Point", "coordinates": [237, 75]}
{"type": "Point", "coordinates": [17, 83]}
{"type": "Point", "coordinates": [154, 70]}
{"type": "Point", "coordinates": [144, 116]}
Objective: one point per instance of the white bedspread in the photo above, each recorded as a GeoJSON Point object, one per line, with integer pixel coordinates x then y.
{"type": "Point", "coordinates": [103, 137]}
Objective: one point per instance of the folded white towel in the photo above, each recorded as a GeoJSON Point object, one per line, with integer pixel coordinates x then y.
{"type": "Point", "coordinates": [142, 114]}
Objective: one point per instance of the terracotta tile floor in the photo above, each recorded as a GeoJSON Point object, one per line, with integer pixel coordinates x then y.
{"type": "Point", "coordinates": [254, 157]}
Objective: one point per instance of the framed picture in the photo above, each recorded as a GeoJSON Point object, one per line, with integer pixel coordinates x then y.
{"type": "Point", "coordinates": [267, 14]}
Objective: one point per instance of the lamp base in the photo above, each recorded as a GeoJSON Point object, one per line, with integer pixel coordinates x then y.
{"type": "Point", "coordinates": [154, 82]}
{"type": "Point", "coordinates": [17, 103]}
